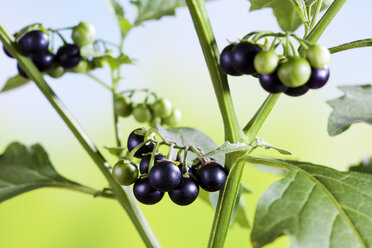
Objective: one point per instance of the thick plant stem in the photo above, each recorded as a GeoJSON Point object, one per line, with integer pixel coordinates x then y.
{"type": "Point", "coordinates": [233, 133]}
{"type": "Point", "coordinates": [219, 79]}
{"type": "Point", "coordinates": [130, 207]}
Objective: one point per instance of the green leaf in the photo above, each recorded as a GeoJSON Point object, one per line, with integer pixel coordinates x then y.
{"type": "Point", "coordinates": [259, 142]}
{"type": "Point", "coordinates": [14, 82]}
{"type": "Point", "coordinates": [116, 62]}
{"type": "Point", "coordinates": [192, 136]}
{"type": "Point", "coordinates": [284, 11]}
{"type": "Point", "coordinates": [364, 166]}
{"type": "Point", "coordinates": [317, 207]}
{"type": "Point", "coordinates": [353, 107]}
{"type": "Point", "coordinates": [26, 168]}
{"type": "Point", "coordinates": [228, 147]}
{"type": "Point", "coordinates": [155, 9]}
{"type": "Point", "coordinates": [117, 11]}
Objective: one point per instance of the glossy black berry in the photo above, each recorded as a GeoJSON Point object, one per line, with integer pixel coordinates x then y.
{"type": "Point", "coordinates": [164, 176]}
{"type": "Point", "coordinates": [7, 52]}
{"type": "Point", "coordinates": [145, 162]}
{"type": "Point", "coordinates": [146, 194]}
{"type": "Point", "coordinates": [225, 61]}
{"type": "Point", "coordinates": [68, 56]}
{"type": "Point", "coordinates": [318, 78]}
{"type": "Point", "coordinates": [134, 140]}
{"type": "Point", "coordinates": [298, 91]}
{"type": "Point", "coordinates": [211, 177]}
{"type": "Point", "coordinates": [21, 71]}
{"type": "Point", "coordinates": [242, 57]}
{"type": "Point", "coordinates": [272, 84]}
{"type": "Point", "coordinates": [43, 61]}
{"type": "Point", "coordinates": [185, 193]}
{"type": "Point", "coordinates": [34, 42]}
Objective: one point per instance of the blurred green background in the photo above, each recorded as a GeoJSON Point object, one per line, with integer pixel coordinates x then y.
{"type": "Point", "coordinates": [169, 61]}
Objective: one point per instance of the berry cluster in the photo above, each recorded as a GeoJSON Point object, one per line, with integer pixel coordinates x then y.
{"type": "Point", "coordinates": [35, 45]}
{"type": "Point", "coordinates": [293, 75]}
{"type": "Point", "coordinates": [149, 110]}
{"type": "Point", "coordinates": [181, 182]}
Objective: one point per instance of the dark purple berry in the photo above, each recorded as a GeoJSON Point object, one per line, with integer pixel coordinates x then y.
{"type": "Point", "coordinates": [68, 56]}
{"type": "Point", "coordinates": [21, 71]}
{"type": "Point", "coordinates": [298, 91]}
{"type": "Point", "coordinates": [145, 162]}
{"type": "Point", "coordinates": [43, 61]}
{"type": "Point", "coordinates": [185, 193]}
{"type": "Point", "coordinates": [34, 42]}
{"type": "Point", "coordinates": [7, 52]}
{"type": "Point", "coordinates": [272, 84]}
{"type": "Point", "coordinates": [211, 176]}
{"type": "Point", "coordinates": [134, 140]}
{"type": "Point", "coordinates": [146, 194]}
{"type": "Point", "coordinates": [318, 78]}
{"type": "Point", "coordinates": [164, 176]}
{"type": "Point", "coordinates": [225, 61]}
{"type": "Point", "coordinates": [242, 56]}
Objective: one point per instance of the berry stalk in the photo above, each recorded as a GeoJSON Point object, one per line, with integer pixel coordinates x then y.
{"type": "Point", "coordinates": [123, 197]}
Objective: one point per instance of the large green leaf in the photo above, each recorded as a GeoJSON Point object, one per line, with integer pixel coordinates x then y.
{"type": "Point", "coordinates": [192, 136]}
{"type": "Point", "coordinates": [317, 206]}
{"type": "Point", "coordinates": [14, 82]}
{"type": "Point", "coordinates": [155, 9]}
{"type": "Point", "coordinates": [26, 168]}
{"type": "Point", "coordinates": [284, 11]}
{"type": "Point", "coordinates": [353, 107]}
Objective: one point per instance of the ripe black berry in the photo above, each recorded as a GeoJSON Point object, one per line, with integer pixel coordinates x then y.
{"type": "Point", "coordinates": [242, 56]}
{"type": "Point", "coordinates": [272, 84]}
{"type": "Point", "coordinates": [298, 91]}
{"type": "Point", "coordinates": [211, 177]}
{"type": "Point", "coordinates": [134, 140]}
{"type": "Point", "coordinates": [34, 42]}
{"type": "Point", "coordinates": [185, 193]}
{"type": "Point", "coordinates": [146, 194]}
{"type": "Point", "coordinates": [68, 56]}
{"type": "Point", "coordinates": [225, 61]}
{"type": "Point", "coordinates": [7, 52]}
{"type": "Point", "coordinates": [43, 61]}
{"type": "Point", "coordinates": [21, 71]}
{"type": "Point", "coordinates": [145, 162]}
{"type": "Point", "coordinates": [164, 176]}
{"type": "Point", "coordinates": [318, 78]}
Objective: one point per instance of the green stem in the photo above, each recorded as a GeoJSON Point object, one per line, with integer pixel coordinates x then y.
{"type": "Point", "coordinates": [233, 133]}
{"type": "Point", "coordinates": [219, 80]}
{"type": "Point", "coordinates": [87, 190]}
{"type": "Point", "coordinates": [317, 10]}
{"type": "Point", "coordinates": [255, 124]}
{"type": "Point", "coordinates": [98, 80]}
{"type": "Point", "coordinates": [130, 207]}
{"type": "Point", "coordinates": [351, 45]}
{"type": "Point", "coordinates": [323, 23]}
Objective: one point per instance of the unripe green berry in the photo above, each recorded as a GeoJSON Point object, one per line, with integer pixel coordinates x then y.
{"type": "Point", "coordinates": [56, 71]}
{"type": "Point", "coordinates": [266, 62]}
{"type": "Point", "coordinates": [125, 173]}
{"type": "Point", "coordinates": [82, 67]}
{"type": "Point", "coordinates": [142, 113]}
{"type": "Point", "coordinates": [318, 56]}
{"type": "Point", "coordinates": [123, 107]}
{"type": "Point", "coordinates": [174, 118]}
{"type": "Point", "coordinates": [162, 108]}
{"type": "Point", "coordinates": [295, 72]}
{"type": "Point", "coordinates": [83, 34]}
